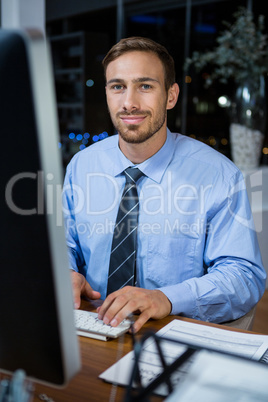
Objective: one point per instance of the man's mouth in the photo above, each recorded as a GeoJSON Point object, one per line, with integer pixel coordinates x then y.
{"type": "Point", "coordinates": [132, 119]}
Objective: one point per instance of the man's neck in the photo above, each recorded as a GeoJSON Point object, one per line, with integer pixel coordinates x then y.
{"type": "Point", "coordinates": [138, 153]}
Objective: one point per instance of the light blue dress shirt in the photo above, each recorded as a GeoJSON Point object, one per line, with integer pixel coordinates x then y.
{"type": "Point", "coordinates": [196, 237]}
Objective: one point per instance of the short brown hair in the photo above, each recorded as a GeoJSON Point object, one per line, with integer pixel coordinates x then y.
{"type": "Point", "coordinates": [137, 43]}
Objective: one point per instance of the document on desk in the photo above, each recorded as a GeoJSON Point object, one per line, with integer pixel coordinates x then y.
{"type": "Point", "coordinates": [247, 345]}
{"type": "Point", "coordinates": [220, 378]}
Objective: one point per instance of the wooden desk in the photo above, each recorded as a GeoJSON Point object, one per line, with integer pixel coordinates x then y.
{"type": "Point", "coordinates": [96, 357]}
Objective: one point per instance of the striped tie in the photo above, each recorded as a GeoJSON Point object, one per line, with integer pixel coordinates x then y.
{"type": "Point", "coordinates": [123, 253]}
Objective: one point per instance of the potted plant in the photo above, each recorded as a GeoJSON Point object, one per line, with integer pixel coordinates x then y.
{"type": "Point", "coordinates": [241, 58]}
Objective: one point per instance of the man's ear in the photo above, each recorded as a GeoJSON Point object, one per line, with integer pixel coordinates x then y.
{"type": "Point", "coordinates": [173, 94]}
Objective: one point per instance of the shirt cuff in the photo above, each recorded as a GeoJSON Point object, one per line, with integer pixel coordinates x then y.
{"type": "Point", "coordinates": [181, 298]}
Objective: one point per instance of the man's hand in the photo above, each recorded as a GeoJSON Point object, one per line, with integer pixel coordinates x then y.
{"type": "Point", "coordinates": [82, 288]}
{"type": "Point", "coordinates": [118, 305]}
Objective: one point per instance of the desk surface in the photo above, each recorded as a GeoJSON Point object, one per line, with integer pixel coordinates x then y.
{"type": "Point", "coordinates": [96, 357]}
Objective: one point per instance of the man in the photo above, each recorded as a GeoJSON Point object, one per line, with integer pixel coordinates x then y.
{"type": "Point", "coordinates": [197, 253]}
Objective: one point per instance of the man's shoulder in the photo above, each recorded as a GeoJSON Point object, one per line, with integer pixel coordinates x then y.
{"type": "Point", "coordinates": [101, 148]}
{"type": "Point", "coordinates": [103, 145]}
{"type": "Point", "coordinates": [203, 156]}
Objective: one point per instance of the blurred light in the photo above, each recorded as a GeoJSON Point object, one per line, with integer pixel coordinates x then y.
{"type": "Point", "coordinates": [82, 146]}
{"type": "Point", "coordinates": [59, 144]}
{"type": "Point", "coordinates": [71, 136]}
{"type": "Point", "coordinates": [89, 83]}
{"type": "Point", "coordinates": [223, 101]}
{"type": "Point", "coordinates": [265, 150]}
{"type": "Point", "coordinates": [246, 94]}
{"type": "Point", "coordinates": [202, 107]}
{"type": "Point", "coordinates": [84, 141]}
{"type": "Point", "coordinates": [79, 137]}
{"type": "Point", "coordinates": [86, 135]}
{"type": "Point", "coordinates": [148, 19]}
{"type": "Point", "coordinates": [224, 141]}
{"type": "Point", "coordinates": [103, 135]}
{"type": "Point", "coordinates": [95, 138]}
{"type": "Point", "coordinates": [205, 28]}
{"type": "Point", "coordinates": [212, 140]}
{"type": "Point", "coordinates": [188, 79]}
{"type": "Point", "coordinates": [248, 112]}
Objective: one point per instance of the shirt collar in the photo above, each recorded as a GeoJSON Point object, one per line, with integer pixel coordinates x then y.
{"type": "Point", "coordinates": [154, 167]}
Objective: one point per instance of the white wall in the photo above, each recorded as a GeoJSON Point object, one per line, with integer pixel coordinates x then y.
{"type": "Point", "coordinates": [20, 14]}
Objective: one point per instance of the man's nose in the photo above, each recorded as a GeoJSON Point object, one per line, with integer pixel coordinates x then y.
{"type": "Point", "coordinates": [131, 101]}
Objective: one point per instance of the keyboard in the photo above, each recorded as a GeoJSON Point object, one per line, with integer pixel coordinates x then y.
{"type": "Point", "coordinates": [87, 324]}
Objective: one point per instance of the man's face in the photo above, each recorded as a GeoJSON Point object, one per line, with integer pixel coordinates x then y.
{"type": "Point", "coordinates": [136, 96]}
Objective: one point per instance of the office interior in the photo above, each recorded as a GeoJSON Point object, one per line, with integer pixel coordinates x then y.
{"type": "Point", "coordinates": [80, 33]}
{"type": "Point", "coordinates": [182, 26]}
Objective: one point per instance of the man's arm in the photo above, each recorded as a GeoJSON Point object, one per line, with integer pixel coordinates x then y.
{"type": "Point", "coordinates": [235, 278]}
{"type": "Point", "coordinates": [79, 284]}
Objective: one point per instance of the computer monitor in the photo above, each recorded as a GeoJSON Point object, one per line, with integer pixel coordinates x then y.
{"type": "Point", "coordinates": [37, 332]}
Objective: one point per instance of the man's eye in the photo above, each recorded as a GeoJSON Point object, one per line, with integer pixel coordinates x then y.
{"type": "Point", "coordinates": [117, 87]}
{"type": "Point", "coordinates": [146, 86]}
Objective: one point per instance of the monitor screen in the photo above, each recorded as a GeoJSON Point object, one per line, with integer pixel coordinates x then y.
{"type": "Point", "coordinates": [37, 332]}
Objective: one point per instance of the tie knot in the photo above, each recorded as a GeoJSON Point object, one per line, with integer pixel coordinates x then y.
{"type": "Point", "coordinates": [132, 174]}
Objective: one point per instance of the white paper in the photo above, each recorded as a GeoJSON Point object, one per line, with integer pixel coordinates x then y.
{"type": "Point", "coordinates": [220, 378]}
{"type": "Point", "coordinates": [248, 345]}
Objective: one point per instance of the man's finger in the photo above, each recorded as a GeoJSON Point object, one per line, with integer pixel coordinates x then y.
{"type": "Point", "coordinates": [82, 287]}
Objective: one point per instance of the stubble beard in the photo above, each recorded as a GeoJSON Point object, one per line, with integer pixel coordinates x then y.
{"type": "Point", "coordinates": [133, 134]}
